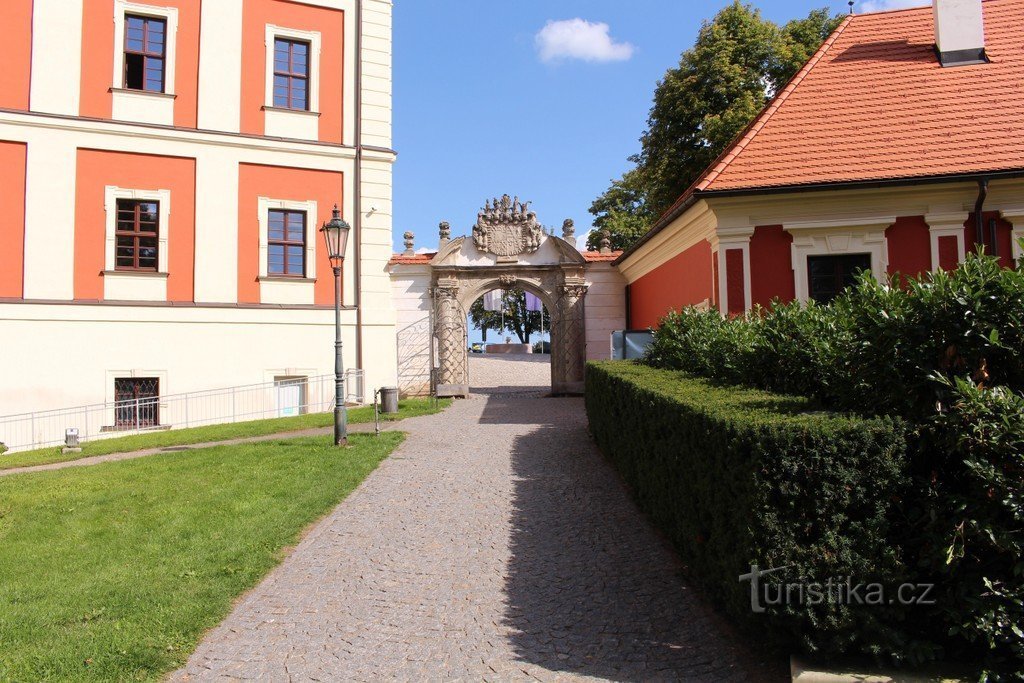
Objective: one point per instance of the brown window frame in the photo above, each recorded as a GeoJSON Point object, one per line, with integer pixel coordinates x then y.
{"type": "Point", "coordinates": [291, 75]}
{"type": "Point", "coordinates": [137, 234]}
{"type": "Point", "coordinates": [286, 243]}
{"type": "Point", "coordinates": [145, 53]}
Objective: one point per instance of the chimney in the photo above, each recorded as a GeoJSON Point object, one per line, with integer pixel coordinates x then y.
{"type": "Point", "coordinates": [959, 32]}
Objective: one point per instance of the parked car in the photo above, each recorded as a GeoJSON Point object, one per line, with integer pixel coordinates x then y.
{"type": "Point", "coordinates": [477, 348]}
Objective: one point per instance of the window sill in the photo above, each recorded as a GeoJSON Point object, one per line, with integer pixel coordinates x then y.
{"type": "Point", "coordinates": [135, 273]}
{"type": "Point", "coordinates": [285, 278]}
{"type": "Point", "coordinates": [144, 93]}
{"type": "Point", "coordinates": [286, 110]}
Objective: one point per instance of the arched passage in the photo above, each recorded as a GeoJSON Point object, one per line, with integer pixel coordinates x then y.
{"type": "Point", "coordinates": [486, 372]}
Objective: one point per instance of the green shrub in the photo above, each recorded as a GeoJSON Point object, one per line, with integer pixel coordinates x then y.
{"type": "Point", "coordinates": [975, 551]}
{"type": "Point", "coordinates": [737, 477]}
{"type": "Point", "coordinates": [942, 352]}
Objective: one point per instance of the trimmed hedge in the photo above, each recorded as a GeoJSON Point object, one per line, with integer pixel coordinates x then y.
{"type": "Point", "coordinates": [736, 477]}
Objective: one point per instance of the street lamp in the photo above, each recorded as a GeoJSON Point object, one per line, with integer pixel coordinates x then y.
{"type": "Point", "coordinates": [335, 233]}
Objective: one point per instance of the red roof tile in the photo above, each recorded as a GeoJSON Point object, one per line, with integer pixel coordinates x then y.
{"type": "Point", "coordinates": [596, 256]}
{"type": "Point", "coordinates": [414, 260]}
{"type": "Point", "coordinates": [875, 104]}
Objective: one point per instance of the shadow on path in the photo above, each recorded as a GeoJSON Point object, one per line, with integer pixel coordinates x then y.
{"type": "Point", "coordinates": [591, 588]}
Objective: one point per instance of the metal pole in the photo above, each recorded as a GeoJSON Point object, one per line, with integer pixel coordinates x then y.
{"type": "Point", "coordinates": [340, 415]}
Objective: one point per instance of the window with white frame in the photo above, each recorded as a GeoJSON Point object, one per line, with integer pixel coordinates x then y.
{"type": "Point", "coordinates": [291, 100]}
{"type": "Point", "coordinates": [287, 238]}
{"type": "Point", "coordinates": [137, 224]}
{"type": "Point", "coordinates": [145, 38]}
{"type": "Point", "coordinates": [145, 49]}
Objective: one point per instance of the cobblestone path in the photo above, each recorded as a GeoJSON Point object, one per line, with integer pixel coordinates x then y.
{"type": "Point", "coordinates": [495, 544]}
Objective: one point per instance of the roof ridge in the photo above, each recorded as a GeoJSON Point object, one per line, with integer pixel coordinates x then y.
{"type": "Point", "coordinates": [761, 120]}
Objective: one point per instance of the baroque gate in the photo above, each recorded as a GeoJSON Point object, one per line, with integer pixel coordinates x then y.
{"type": "Point", "coordinates": [508, 249]}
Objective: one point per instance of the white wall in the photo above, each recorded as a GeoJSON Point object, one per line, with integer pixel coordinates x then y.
{"type": "Point", "coordinates": [410, 288]}
{"type": "Point", "coordinates": [605, 308]}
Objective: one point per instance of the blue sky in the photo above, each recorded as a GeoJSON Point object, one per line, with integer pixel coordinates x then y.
{"type": "Point", "coordinates": [484, 107]}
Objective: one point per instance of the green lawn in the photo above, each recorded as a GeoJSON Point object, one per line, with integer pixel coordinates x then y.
{"type": "Point", "coordinates": [114, 572]}
{"type": "Point", "coordinates": [182, 437]}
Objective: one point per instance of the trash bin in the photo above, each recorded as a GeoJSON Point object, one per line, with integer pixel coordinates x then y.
{"type": "Point", "coordinates": [389, 400]}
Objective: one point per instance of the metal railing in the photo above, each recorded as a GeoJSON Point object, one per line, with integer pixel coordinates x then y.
{"type": "Point", "coordinates": [284, 397]}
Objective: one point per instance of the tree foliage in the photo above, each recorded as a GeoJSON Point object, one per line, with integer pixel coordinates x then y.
{"type": "Point", "coordinates": [516, 319]}
{"type": "Point", "coordinates": [739, 62]}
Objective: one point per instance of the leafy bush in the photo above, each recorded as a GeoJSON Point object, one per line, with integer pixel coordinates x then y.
{"type": "Point", "coordinates": [944, 353]}
{"type": "Point", "coordinates": [975, 552]}
{"type": "Point", "coordinates": [737, 477]}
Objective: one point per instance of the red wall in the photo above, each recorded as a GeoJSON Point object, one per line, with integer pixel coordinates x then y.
{"type": "Point", "coordinates": [330, 23]}
{"type": "Point", "coordinates": [1004, 237]}
{"type": "Point", "coordinates": [684, 280]}
{"type": "Point", "coordinates": [12, 219]}
{"type": "Point", "coordinates": [287, 184]}
{"type": "Point", "coordinates": [98, 60]}
{"type": "Point", "coordinates": [15, 76]}
{"type": "Point", "coordinates": [96, 170]}
{"type": "Point", "coordinates": [735, 281]}
{"type": "Point", "coordinates": [771, 270]}
{"type": "Point", "coordinates": [910, 247]}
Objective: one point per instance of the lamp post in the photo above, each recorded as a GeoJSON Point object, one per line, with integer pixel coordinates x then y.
{"type": "Point", "coordinates": [335, 232]}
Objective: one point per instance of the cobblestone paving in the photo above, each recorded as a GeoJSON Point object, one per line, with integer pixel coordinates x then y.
{"type": "Point", "coordinates": [509, 373]}
{"type": "Point", "coordinates": [495, 544]}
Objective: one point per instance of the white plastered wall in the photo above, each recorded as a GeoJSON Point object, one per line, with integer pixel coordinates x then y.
{"type": "Point", "coordinates": [605, 308]}
{"type": "Point", "coordinates": [410, 287]}
{"type": "Point", "coordinates": [59, 355]}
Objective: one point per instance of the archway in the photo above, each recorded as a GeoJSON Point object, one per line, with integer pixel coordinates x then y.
{"type": "Point", "coordinates": [508, 249]}
{"type": "Point", "coordinates": [513, 359]}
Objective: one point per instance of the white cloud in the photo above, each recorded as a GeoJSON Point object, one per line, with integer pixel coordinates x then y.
{"type": "Point", "coordinates": [882, 5]}
{"type": "Point", "coordinates": [580, 39]}
{"type": "Point", "coordinates": [581, 241]}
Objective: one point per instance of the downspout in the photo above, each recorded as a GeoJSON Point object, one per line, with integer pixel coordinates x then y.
{"type": "Point", "coordinates": [979, 208]}
{"type": "Point", "coordinates": [358, 182]}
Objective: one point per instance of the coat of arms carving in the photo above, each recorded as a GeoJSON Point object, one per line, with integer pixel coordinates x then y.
{"type": "Point", "coordinates": [507, 228]}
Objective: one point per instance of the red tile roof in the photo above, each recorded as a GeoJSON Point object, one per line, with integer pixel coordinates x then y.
{"type": "Point", "coordinates": [874, 103]}
{"type": "Point", "coordinates": [414, 260]}
{"type": "Point", "coordinates": [597, 257]}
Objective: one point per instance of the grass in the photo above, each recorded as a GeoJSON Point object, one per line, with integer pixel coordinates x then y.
{"type": "Point", "coordinates": [182, 437]}
{"type": "Point", "coordinates": [114, 572]}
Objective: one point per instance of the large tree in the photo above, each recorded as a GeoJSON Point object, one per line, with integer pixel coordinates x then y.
{"type": "Point", "coordinates": [739, 62]}
{"type": "Point", "coordinates": [516, 318]}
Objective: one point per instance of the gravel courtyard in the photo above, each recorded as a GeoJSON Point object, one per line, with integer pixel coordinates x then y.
{"type": "Point", "coordinates": [495, 544]}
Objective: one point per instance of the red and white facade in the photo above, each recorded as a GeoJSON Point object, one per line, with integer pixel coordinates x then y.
{"type": "Point", "coordinates": [166, 167]}
{"type": "Point", "coordinates": [877, 155]}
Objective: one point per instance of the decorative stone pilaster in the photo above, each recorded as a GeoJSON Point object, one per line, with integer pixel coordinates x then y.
{"type": "Point", "coordinates": [450, 335]}
{"type": "Point", "coordinates": [572, 351]}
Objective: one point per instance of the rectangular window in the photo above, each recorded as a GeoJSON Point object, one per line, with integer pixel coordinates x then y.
{"type": "Point", "coordinates": [291, 74]}
{"type": "Point", "coordinates": [144, 53]}
{"type": "Point", "coordinates": [137, 402]}
{"type": "Point", "coordinates": [286, 243]}
{"type": "Point", "coordinates": [138, 234]}
{"type": "Point", "coordinates": [830, 275]}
